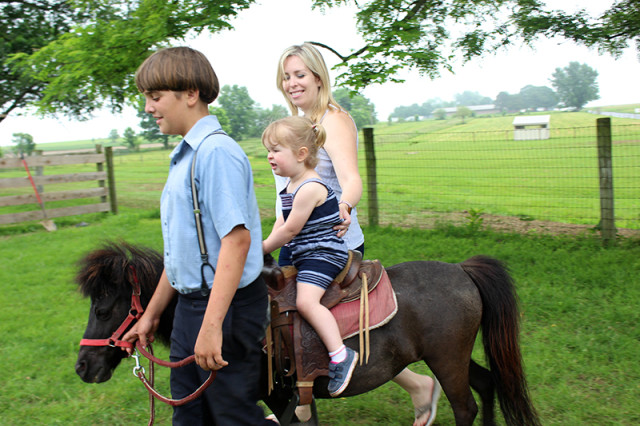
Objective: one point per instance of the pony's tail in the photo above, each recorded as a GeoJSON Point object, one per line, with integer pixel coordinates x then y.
{"type": "Point", "coordinates": [500, 331]}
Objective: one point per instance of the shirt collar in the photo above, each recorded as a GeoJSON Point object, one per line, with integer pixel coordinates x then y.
{"type": "Point", "coordinates": [196, 135]}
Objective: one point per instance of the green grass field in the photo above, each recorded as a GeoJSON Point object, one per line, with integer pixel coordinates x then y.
{"type": "Point", "coordinates": [579, 335]}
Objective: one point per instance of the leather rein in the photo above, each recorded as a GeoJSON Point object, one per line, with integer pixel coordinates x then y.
{"type": "Point", "coordinates": [115, 341]}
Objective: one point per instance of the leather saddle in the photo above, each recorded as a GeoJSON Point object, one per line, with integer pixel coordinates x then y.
{"type": "Point", "coordinates": [296, 347]}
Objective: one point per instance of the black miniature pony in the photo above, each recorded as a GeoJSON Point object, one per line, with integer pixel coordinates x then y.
{"type": "Point", "coordinates": [441, 307]}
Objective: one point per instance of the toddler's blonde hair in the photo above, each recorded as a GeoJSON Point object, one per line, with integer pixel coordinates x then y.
{"type": "Point", "coordinates": [296, 132]}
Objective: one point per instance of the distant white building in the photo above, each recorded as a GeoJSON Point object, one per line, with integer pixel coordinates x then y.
{"type": "Point", "coordinates": [476, 109]}
{"type": "Point", "coordinates": [531, 127]}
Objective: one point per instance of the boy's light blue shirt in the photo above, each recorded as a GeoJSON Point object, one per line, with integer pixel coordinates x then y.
{"type": "Point", "coordinates": [227, 199]}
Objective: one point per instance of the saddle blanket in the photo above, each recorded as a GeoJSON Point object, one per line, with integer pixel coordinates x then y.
{"type": "Point", "coordinates": [382, 307]}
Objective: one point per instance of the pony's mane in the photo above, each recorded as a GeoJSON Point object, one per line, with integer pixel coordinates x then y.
{"type": "Point", "coordinates": [108, 268]}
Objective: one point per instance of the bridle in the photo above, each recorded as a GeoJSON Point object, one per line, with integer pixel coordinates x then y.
{"type": "Point", "coordinates": [115, 341]}
{"type": "Point", "coordinates": [135, 312]}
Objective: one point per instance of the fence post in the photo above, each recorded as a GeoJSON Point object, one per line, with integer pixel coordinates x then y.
{"type": "Point", "coordinates": [111, 178]}
{"type": "Point", "coordinates": [607, 217]}
{"type": "Point", "coordinates": [39, 171]}
{"type": "Point", "coordinates": [372, 179]}
{"type": "Point", "coordinates": [100, 168]}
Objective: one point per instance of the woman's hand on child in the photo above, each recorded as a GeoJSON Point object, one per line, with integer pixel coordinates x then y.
{"type": "Point", "coordinates": [346, 220]}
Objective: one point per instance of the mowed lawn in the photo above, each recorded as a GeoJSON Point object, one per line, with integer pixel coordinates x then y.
{"type": "Point", "coordinates": [579, 335]}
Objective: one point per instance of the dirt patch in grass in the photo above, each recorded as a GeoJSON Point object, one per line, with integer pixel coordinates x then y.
{"type": "Point", "coordinates": [428, 220]}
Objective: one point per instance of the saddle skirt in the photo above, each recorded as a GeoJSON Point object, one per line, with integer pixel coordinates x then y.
{"type": "Point", "coordinates": [361, 299]}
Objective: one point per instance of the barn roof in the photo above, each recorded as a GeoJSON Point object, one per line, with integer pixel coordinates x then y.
{"type": "Point", "coordinates": [531, 120]}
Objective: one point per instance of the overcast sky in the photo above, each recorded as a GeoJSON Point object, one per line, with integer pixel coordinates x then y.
{"type": "Point", "coordinates": [248, 56]}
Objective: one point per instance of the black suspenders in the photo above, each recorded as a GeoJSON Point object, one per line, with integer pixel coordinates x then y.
{"type": "Point", "coordinates": [204, 255]}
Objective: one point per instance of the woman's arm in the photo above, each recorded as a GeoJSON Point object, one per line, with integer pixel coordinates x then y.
{"type": "Point", "coordinates": [342, 147]}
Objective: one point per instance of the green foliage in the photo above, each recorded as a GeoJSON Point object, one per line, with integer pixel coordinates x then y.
{"type": "Point", "coordinates": [130, 139]}
{"type": "Point", "coordinates": [530, 97]}
{"type": "Point", "coordinates": [475, 220]}
{"type": "Point", "coordinates": [576, 84]}
{"type": "Point", "coordinates": [360, 108]}
{"type": "Point", "coordinates": [241, 116]}
{"type": "Point", "coordinates": [58, 55]}
{"type": "Point", "coordinates": [150, 130]}
{"type": "Point", "coordinates": [27, 27]}
{"type": "Point", "coordinates": [440, 114]}
{"type": "Point", "coordinates": [462, 112]}
{"type": "Point", "coordinates": [264, 117]}
{"type": "Point", "coordinates": [240, 109]}
{"type": "Point", "coordinates": [534, 97]}
{"type": "Point", "coordinates": [612, 31]}
{"type": "Point", "coordinates": [221, 115]}
{"type": "Point", "coordinates": [62, 53]}
{"type": "Point", "coordinates": [506, 102]}
{"type": "Point", "coordinates": [24, 143]}
{"type": "Point", "coordinates": [429, 36]}
{"type": "Point", "coordinates": [469, 98]}
{"type": "Point", "coordinates": [113, 136]}
{"type": "Point", "coordinates": [423, 110]}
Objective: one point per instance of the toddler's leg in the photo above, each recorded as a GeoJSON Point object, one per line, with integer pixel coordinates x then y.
{"type": "Point", "coordinates": [320, 318]}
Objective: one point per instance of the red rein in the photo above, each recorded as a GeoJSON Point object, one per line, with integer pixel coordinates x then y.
{"type": "Point", "coordinates": [139, 372]}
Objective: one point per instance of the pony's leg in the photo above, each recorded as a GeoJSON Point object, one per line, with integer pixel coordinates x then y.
{"type": "Point", "coordinates": [453, 374]}
{"type": "Point", "coordinates": [481, 381]}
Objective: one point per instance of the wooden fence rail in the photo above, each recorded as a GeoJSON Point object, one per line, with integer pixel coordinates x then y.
{"type": "Point", "coordinates": [104, 192]}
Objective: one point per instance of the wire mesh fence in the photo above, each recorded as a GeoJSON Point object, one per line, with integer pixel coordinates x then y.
{"type": "Point", "coordinates": [550, 185]}
{"type": "Point", "coordinates": [466, 178]}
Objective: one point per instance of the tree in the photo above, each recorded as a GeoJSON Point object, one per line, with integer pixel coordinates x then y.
{"type": "Point", "coordinates": [463, 112]}
{"type": "Point", "coordinates": [26, 26]}
{"type": "Point", "coordinates": [440, 114]}
{"type": "Point", "coordinates": [239, 108]}
{"type": "Point", "coordinates": [416, 34]}
{"type": "Point", "coordinates": [221, 115]}
{"type": "Point", "coordinates": [406, 111]}
{"type": "Point", "coordinates": [576, 84]}
{"type": "Point", "coordinates": [469, 98]}
{"type": "Point", "coordinates": [24, 143]}
{"type": "Point", "coordinates": [264, 117]}
{"type": "Point", "coordinates": [360, 108]}
{"type": "Point", "coordinates": [130, 139]}
{"type": "Point", "coordinates": [424, 110]}
{"type": "Point", "coordinates": [534, 97]}
{"type": "Point", "coordinates": [150, 129]}
{"type": "Point", "coordinates": [113, 136]}
{"type": "Point", "coordinates": [509, 103]}
{"type": "Point", "coordinates": [59, 56]}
